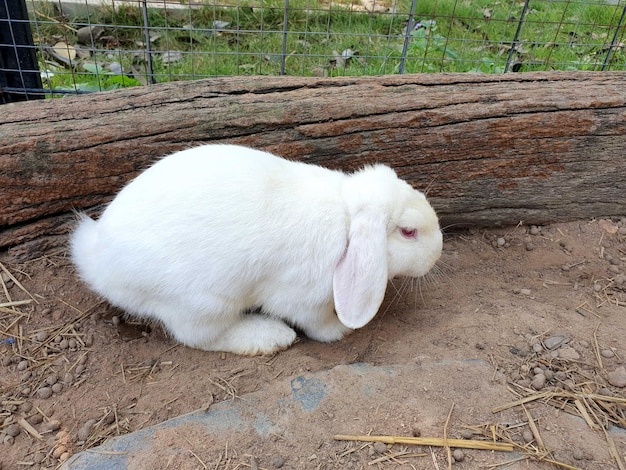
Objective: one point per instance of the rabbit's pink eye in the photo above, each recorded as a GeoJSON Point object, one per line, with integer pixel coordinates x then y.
{"type": "Point", "coordinates": [409, 233]}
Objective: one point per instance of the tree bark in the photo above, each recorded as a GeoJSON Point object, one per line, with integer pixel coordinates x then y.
{"type": "Point", "coordinates": [489, 149]}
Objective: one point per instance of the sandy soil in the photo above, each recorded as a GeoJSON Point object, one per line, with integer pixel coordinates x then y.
{"type": "Point", "coordinates": [550, 303]}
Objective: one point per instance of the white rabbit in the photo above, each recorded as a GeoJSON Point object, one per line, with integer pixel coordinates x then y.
{"type": "Point", "coordinates": [210, 232]}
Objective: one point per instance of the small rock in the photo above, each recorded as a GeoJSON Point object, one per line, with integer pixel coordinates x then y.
{"type": "Point", "coordinates": [614, 269]}
{"type": "Point", "coordinates": [8, 440]}
{"type": "Point", "coordinates": [85, 431]}
{"type": "Point", "coordinates": [584, 344]}
{"type": "Point", "coordinates": [529, 246]}
{"type": "Point", "coordinates": [71, 343]}
{"type": "Point", "coordinates": [534, 230]}
{"type": "Point", "coordinates": [57, 387]}
{"type": "Point", "coordinates": [39, 457]}
{"type": "Point", "coordinates": [35, 419]}
{"type": "Point", "coordinates": [44, 392]}
{"type": "Point", "coordinates": [26, 407]}
{"type": "Point", "coordinates": [22, 365]}
{"type": "Point", "coordinates": [64, 344]}
{"type": "Point", "coordinates": [537, 348]}
{"type": "Point", "coordinates": [538, 382]}
{"type": "Point", "coordinates": [607, 353]}
{"type": "Point", "coordinates": [597, 287]}
{"type": "Point", "coordinates": [458, 455]}
{"type": "Point", "coordinates": [278, 461]}
{"type": "Point", "coordinates": [620, 279]}
{"type": "Point", "coordinates": [52, 379]}
{"type": "Point", "coordinates": [617, 378]}
{"type": "Point", "coordinates": [41, 336]}
{"type": "Point", "coordinates": [52, 425]}
{"type": "Point", "coordinates": [68, 378]}
{"type": "Point", "coordinates": [380, 447]}
{"type": "Point", "coordinates": [467, 434]}
{"type": "Point", "coordinates": [79, 369]}
{"type": "Point", "coordinates": [578, 454]}
{"type": "Point", "coordinates": [568, 353]}
{"type": "Point", "coordinates": [549, 374]}
{"type": "Point", "coordinates": [528, 437]}
{"type": "Point", "coordinates": [13, 430]}
{"type": "Point", "coordinates": [115, 320]}
{"type": "Point", "coordinates": [554, 342]}
{"type": "Point", "coordinates": [58, 451]}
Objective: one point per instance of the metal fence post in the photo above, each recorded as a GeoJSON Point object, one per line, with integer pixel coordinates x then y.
{"type": "Point", "coordinates": [20, 79]}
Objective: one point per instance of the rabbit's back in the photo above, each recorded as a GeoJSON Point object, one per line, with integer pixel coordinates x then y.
{"type": "Point", "coordinates": [234, 223]}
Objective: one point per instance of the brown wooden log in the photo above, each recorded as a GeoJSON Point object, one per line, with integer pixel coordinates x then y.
{"type": "Point", "coordinates": [491, 149]}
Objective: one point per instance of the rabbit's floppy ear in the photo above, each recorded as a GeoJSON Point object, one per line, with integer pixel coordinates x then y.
{"type": "Point", "coordinates": [360, 278]}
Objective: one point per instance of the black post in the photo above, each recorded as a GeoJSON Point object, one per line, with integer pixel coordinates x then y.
{"type": "Point", "coordinates": [19, 72]}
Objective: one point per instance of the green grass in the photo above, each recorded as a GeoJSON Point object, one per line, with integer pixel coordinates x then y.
{"type": "Point", "coordinates": [456, 36]}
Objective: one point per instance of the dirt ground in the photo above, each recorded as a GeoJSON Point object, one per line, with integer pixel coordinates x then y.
{"type": "Point", "coordinates": [543, 307]}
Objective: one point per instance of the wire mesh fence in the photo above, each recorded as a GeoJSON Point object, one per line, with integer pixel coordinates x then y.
{"type": "Point", "coordinates": [90, 45]}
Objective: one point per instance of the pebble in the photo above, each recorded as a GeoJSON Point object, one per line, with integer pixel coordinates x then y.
{"type": "Point", "coordinates": [467, 434]}
{"type": "Point", "coordinates": [58, 451]}
{"type": "Point", "coordinates": [534, 230]}
{"type": "Point", "coordinates": [89, 340]}
{"type": "Point", "coordinates": [607, 353]}
{"type": "Point", "coordinates": [72, 343]}
{"type": "Point", "coordinates": [549, 374]}
{"type": "Point", "coordinates": [64, 344]}
{"type": "Point", "coordinates": [22, 365]}
{"type": "Point", "coordinates": [52, 425]}
{"type": "Point", "coordinates": [529, 246]}
{"type": "Point", "coordinates": [568, 353]}
{"type": "Point", "coordinates": [46, 311]}
{"type": "Point", "coordinates": [115, 320]}
{"type": "Point", "coordinates": [44, 392]}
{"type": "Point", "coordinates": [614, 269]}
{"type": "Point", "coordinates": [278, 461]}
{"type": "Point", "coordinates": [52, 379]}
{"type": "Point", "coordinates": [85, 431]}
{"type": "Point", "coordinates": [12, 430]}
{"type": "Point", "coordinates": [26, 407]}
{"type": "Point", "coordinates": [8, 440]}
{"type": "Point", "coordinates": [617, 378]}
{"type": "Point", "coordinates": [380, 447]}
{"type": "Point", "coordinates": [620, 279]}
{"type": "Point", "coordinates": [35, 419]}
{"type": "Point", "coordinates": [41, 336]}
{"type": "Point", "coordinates": [79, 369]}
{"type": "Point", "coordinates": [578, 454]}
{"type": "Point", "coordinates": [501, 242]}
{"type": "Point", "coordinates": [537, 347]}
{"type": "Point", "coordinates": [538, 382]}
{"type": "Point", "coordinates": [57, 387]}
{"type": "Point", "coordinates": [597, 287]}
{"type": "Point", "coordinates": [39, 457]}
{"type": "Point", "coordinates": [458, 455]}
{"type": "Point", "coordinates": [554, 342]}
{"type": "Point", "coordinates": [528, 437]}
{"type": "Point", "coordinates": [68, 378]}
{"type": "Point", "coordinates": [25, 376]}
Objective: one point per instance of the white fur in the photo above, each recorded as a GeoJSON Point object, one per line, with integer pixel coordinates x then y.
{"type": "Point", "coordinates": [209, 232]}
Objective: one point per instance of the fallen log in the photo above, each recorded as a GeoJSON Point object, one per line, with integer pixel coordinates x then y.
{"type": "Point", "coordinates": [490, 149]}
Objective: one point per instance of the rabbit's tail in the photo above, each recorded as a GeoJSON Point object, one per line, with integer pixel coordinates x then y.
{"type": "Point", "coordinates": [83, 245]}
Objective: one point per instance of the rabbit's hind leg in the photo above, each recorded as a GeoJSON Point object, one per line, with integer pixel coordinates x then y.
{"type": "Point", "coordinates": [249, 334]}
